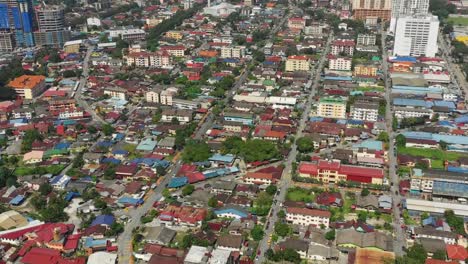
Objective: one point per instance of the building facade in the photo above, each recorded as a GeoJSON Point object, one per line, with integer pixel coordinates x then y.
{"type": "Point", "coordinates": [307, 217]}
{"type": "Point", "coordinates": [374, 9]}
{"type": "Point", "coordinates": [16, 24]}
{"type": "Point", "coordinates": [28, 86]}
{"type": "Point", "coordinates": [402, 8]}
{"type": "Point", "coordinates": [365, 111]}
{"type": "Point", "coordinates": [332, 107]}
{"type": "Point", "coordinates": [340, 63]}
{"type": "Point", "coordinates": [366, 39]}
{"type": "Point", "coordinates": [416, 36]}
{"type": "Point", "coordinates": [297, 63]}
{"type": "Point", "coordinates": [51, 26]}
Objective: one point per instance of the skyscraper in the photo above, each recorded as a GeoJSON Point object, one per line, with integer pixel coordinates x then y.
{"type": "Point", "coordinates": [416, 35]}
{"type": "Point", "coordinates": [16, 24]}
{"type": "Point", "coordinates": [51, 26]}
{"type": "Point", "coordinates": [401, 8]}
{"type": "Point", "coordinates": [372, 9]}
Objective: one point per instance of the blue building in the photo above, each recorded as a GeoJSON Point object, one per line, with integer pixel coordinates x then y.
{"type": "Point", "coordinates": [16, 24]}
{"type": "Point", "coordinates": [244, 118]}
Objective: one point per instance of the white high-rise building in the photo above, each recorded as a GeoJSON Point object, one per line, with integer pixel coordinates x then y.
{"type": "Point", "coordinates": [402, 8]}
{"type": "Point", "coordinates": [416, 36]}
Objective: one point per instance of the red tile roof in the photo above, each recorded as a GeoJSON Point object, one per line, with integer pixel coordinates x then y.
{"type": "Point", "coordinates": [436, 261]}
{"type": "Point", "coordinates": [456, 252]}
{"type": "Point", "coordinates": [307, 211]}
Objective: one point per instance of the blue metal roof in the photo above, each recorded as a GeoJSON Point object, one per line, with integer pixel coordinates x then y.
{"type": "Point", "coordinates": [222, 158]}
{"type": "Point", "coordinates": [462, 119]}
{"type": "Point", "coordinates": [450, 139]}
{"type": "Point", "coordinates": [129, 200]}
{"type": "Point", "coordinates": [411, 102]}
{"type": "Point", "coordinates": [454, 189]}
{"type": "Point", "coordinates": [448, 104]}
{"type": "Point", "coordinates": [457, 169]}
{"type": "Point", "coordinates": [71, 195]}
{"type": "Point", "coordinates": [177, 182]}
{"type": "Point", "coordinates": [369, 144]}
{"type": "Point", "coordinates": [147, 144]}
{"type": "Point", "coordinates": [90, 242]}
{"type": "Point", "coordinates": [120, 152]}
{"type": "Point", "coordinates": [103, 220]}
{"type": "Point", "coordinates": [111, 160]}
{"type": "Point", "coordinates": [404, 59]}
{"type": "Point", "coordinates": [338, 78]}
{"type": "Point", "coordinates": [240, 213]}
{"type": "Point", "coordinates": [17, 200]}
{"type": "Point", "coordinates": [62, 145]}
{"type": "Point", "coordinates": [104, 144]}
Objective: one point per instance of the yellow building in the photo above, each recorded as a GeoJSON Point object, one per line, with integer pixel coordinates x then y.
{"type": "Point", "coordinates": [28, 86]}
{"type": "Point", "coordinates": [177, 35]}
{"type": "Point", "coordinates": [461, 37]}
{"type": "Point", "coordinates": [365, 70]}
{"type": "Point", "coordinates": [332, 107]}
{"type": "Point", "coordinates": [297, 63]}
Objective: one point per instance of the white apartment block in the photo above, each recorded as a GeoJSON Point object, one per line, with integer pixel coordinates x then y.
{"type": "Point", "coordinates": [340, 64]}
{"type": "Point", "coordinates": [72, 113]}
{"type": "Point", "coordinates": [416, 36]}
{"type": "Point", "coordinates": [366, 39]}
{"type": "Point", "coordinates": [149, 59]}
{"type": "Point", "coordinates": [402, 8]}
{"type": "Point", "coordinates": [152, 96]}
{"type": "Point", "coordinates": [365, 111]}
{"type": "Point", "coordinates": [407, 112]}
{"type": "Point", "coordinates": [233, 52]}
{"type": "Point", "coordinates": [306, 217]}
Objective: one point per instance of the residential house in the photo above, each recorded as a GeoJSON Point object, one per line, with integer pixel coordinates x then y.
{"type": "Point", "coordinates": [306, 216]}
{"type": "Point", "coordinates": [230, 242]}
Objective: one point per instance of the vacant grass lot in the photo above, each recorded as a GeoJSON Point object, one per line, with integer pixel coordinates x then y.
{"type": "Point", "coordinates": [462, 21]}
{"type": "Point", "coordinates": [432, 153]}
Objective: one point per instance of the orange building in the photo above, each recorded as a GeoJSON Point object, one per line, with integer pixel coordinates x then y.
{"type": "Point", "coordinates": [28, 86]}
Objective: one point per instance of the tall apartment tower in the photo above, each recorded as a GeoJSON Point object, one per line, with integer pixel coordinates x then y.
{"type": "Point", "coordinates": [372, 9]}
{"type": "Point", "coordinates": [416, 35]}
{"type": "Point", "coordinates": [401, 8]}
{"type": "Point", "coordinates": [16, 24]}
{"type": "Point", "coordinates": [51, 26]}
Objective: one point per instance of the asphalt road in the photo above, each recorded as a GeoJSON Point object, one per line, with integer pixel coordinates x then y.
{"type": "Point", "coordinates": [125, 239]}
{"type": "Point", "coordinates": [286, 178]}
{"type": "Point", "coordinates": [83, 81]}
{"type": "Point", "coordinates": [399, 240]}
{"type": "Point", "coordinates": [460, 79]}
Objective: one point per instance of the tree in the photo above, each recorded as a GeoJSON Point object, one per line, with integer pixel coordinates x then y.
{"type": "Point", "coordinates": [109, 173]}
{"type": "Point", "coordinates": [440, 254]}
{"type": "Point", "coordinates": [281, 214]}
{"type": "Point", "coordinates": [45, 189]}
{"type": "Point", "coordinates": [383, 136]}
{"type": "Point", "coordinates": [362, 216]}
{"type": "Point", "coordinates": [330, 235]}
{"type": "Point", "coordinates": [196, 151]}
{"type": "Point", "coordinates": [166, 193]}
{"type": "Point", "coordinates": [400, 141]}
{"type": "Point", "coordinates": [271, 189]}
{"type": "Point", "coordinates": [92, 129]}
{"type": "Point", "coordinates": [417, 252]}
{"type": "Point", "coordinates": [263, 203]}
{"type": "Point", "coordinates": [188, 189]}
{"type": "Point", "coordinates": [257, 233]}
{"type": "Point", "coordinates": [108, 129]}
{"type": "Point", "coordinates": [29, 137]}
{"type": "Point", "coordinates": [78, 162]}
{"type": "Point", "coordinates": [394, 123]}
{"type": "Point", "coordinates": [213, 202]}
{"type": "Point", "coordinates": [443, 145]}
{"type": "Point", "coordinates": [305, 144]}
{"type": "Point", "coordinates": [365, 192]}
{"type": "Point", "coordinates": [455, 222]}
{"type": "Point", "coordinates": [282, 229]}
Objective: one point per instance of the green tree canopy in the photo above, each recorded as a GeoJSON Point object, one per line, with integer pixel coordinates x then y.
{"type": "Point", "coordinates": [196, 151]}
{"type": "Point", "coordinates": [305, 144]}
{"type": "Point", "coordinates": [188, 189]}
{"type": "Point", "coordinates": [257, 233]}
